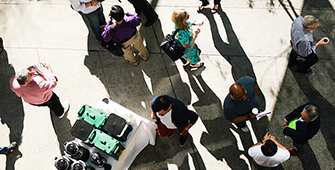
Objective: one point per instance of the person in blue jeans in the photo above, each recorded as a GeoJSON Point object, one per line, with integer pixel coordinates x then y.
{"type": "Point", "coordinates": [93, 12]}
{"type": "Point", "coordinates": [8, 149]}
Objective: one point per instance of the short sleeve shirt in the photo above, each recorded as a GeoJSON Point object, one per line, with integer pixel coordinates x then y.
{"type": "Point", "coordinates": [233, 108]}
{"type": "Point", "coordinates": [268, 161]}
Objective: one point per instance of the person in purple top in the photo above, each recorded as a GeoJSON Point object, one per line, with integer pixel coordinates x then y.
{"type": "Point", "coordinates": [123, 31]}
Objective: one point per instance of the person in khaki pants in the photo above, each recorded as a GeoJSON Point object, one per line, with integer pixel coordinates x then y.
{"type": "Point", "coordinates": [124, 32]}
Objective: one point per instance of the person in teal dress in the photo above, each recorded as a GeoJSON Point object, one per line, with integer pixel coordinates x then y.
{"type": "Point", "coordinates": [186, 37]}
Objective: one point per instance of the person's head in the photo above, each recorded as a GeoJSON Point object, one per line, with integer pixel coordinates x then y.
{"type": "Point", "coordinates": [269, 148]}
{"type": "Point", "coordinates": [179, 17]}
{"type": "Point", "coordinates": [116, 12]}
{"type": "Point", "coordinates": [161, 105]}
{"type": "Point", "coordinates": [23, 76]}
{"type": "Point", "coordinates": [309, 113]}
{"type": "Point", "coordinates": [310, 22]}
{"type": "Point", "coordinates": [238, 92]}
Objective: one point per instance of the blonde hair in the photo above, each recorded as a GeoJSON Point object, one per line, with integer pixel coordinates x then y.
{"type": "Point", "coordinates": [178, 17]}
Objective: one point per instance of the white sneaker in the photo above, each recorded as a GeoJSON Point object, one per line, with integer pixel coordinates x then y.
{"type": "Point", "coordinates": [66, 107]}
{"type": "Point", "coordinates": [245, 129]}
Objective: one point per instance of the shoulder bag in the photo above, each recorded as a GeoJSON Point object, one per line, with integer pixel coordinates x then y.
{"type": "Point", "coordinates": [172, 47]}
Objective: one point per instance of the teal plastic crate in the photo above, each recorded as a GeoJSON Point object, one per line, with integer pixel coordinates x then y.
{"type": "Point", "coordinates": [106, 143]}
{"type": "Point", "coordinates": [92, 116]}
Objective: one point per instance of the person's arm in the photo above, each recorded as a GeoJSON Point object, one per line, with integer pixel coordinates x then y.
{"type": "Point", "coordinates": [135, 20]}
{"type": "Point", "coordinates": [187, 127]}
{"type": "Point", "coordinates": [106, 33]}
{"type": "Point", "coordinates": [242, 118]}
{"type": "Point", "coordinates": [256, 90]}
{"type": "Point", "coordinates": [320, 43]}
{"type": "Point", "coordinates": [195, 35]}
{"type": "Point", "coordinates": [304, 48]}
{"type": "Point", "coordinates": [52, 79]}
{"type": "Point", "coordinates": [273, 138]}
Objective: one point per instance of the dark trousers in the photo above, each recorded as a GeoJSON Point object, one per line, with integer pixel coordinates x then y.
{"type": "Point", "coordinates": [310, 60]}
{"type": "Point", "coordinates": [96, 19]}
{"type": "Point", "coordinates": [300, 147]}
{"type": "Point", "coordinates": [204, 2]}
{"type": "Point", "coordinates": [163, 131]}
{"type": "Point", "coordinates": [54, 105]}
{"type": "Point", "coordinates": [217, 2]}
{"type": "Point", "coordinates": [183, 60]}
{"type": "Point", "coordinates": [146, 8]}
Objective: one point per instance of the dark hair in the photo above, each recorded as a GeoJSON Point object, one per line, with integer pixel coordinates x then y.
{"type": "Point", "coordinates": [269, 148]}
{"type": "Point", "coordinates": [312, 111]}
{"type": "Point", "coordinates": [117, 13]}
{"type": "Point", "coordinates": [22, 76]}
{"type": "Point", "coordinates": [161, 103]}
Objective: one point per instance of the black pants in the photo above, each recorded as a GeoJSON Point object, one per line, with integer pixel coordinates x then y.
{"type": "Point", "coordinates": [146, 8]}
{"type": "Point", "coordinates": [204, 2]}
{"type": "Point", "coordinates": [310, 60]}
{"type": "Point", "coordinates": [54, 105]}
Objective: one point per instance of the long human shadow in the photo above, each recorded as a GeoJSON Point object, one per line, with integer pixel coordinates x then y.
{"type": "Point", "coordinates": [62, 129]}
{"type": "Point", "coordinates": [233, 52]}
{"type": "Point", "coordinates": [12, 113]}
{"type": "Point", "coordinates": [167, 151]}
{"type": "Point", "coordinates": [298, 89]}
{"type": "Point", "coordinates": [218, 139]}
{"type": "Point", "coordinates": [315, 86]}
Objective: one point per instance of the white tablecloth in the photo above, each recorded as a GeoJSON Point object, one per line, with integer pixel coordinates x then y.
{"type": "Point", "coordinates": [143, 133]}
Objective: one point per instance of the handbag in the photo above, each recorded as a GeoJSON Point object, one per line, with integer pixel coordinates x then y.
{"type": "Point", "coordinates": [172, 47]}
{"type": "Point", "coordinates": [112, 46]}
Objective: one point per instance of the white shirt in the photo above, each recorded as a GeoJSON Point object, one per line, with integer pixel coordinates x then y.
{"type": "Point", "coordinates": [167, 120]}
{"type": "Point", "coordinates": [268, 161]}
{"type": "Point", "coordinates": [79, 5]}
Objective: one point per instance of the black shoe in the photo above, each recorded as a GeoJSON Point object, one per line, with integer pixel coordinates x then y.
{"type": "Point", "coordinates": [11, 147]}
{"type": "Point", "coordinates": [149, 23]}
{"type": "Point", "coordinates": [305, 71]}
{"type": "Point", "coordinates": [296, 63]}
{"type": "Point", "coordinates": [182, 140]}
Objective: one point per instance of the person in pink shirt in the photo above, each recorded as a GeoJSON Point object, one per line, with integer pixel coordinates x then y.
{"type": "Point", "coordinates": [35, 89]}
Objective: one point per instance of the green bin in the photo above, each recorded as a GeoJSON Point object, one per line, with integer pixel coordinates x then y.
{"type": "Point", "coordinates": [106, 143]}
{"type": "Point", "coordinates": [92, 116]}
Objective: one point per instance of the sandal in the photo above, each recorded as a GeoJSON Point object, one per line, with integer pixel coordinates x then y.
{"type": "Point", "coordinates": [200, 8]}
{"type": "Point", "coordinates": [215, 10]}
{"type": "Point", "coordinates": [187, 64]}
{"type": "Point", "coordinates": [200, 65]}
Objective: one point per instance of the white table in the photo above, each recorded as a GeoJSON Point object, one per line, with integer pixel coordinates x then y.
{"type": "Point", "coordinates": [143, 133]}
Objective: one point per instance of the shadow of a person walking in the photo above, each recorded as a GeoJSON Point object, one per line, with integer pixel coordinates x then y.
{"type": "Point", "coordinates": [11, 109]}
{"type": "Point", "coordinates": [218, 139]}
{"type": "Point", "coordinates": [233, 52]}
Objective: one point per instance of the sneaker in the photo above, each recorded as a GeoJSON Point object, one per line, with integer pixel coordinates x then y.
{"type": "Point", "coordinates": [11, 147]}
{"type": "Point", "coordinates": [66, 107]}
{"type": "Point", "coordinates": [245, 129]}
{"type": "Point", "coordinates": [182, 140]}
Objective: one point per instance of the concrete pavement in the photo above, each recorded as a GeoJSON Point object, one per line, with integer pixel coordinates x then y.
{"type": "Point", "coordinates": [244, 38]}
